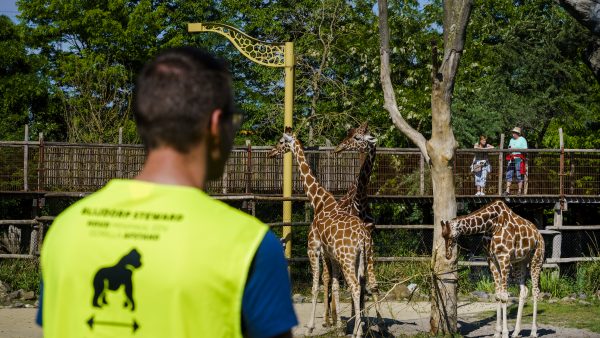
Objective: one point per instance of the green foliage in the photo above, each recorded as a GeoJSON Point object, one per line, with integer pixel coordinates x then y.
{"type": "Point", "coordinates": [523, 66]}
{"type": "Point", "coordinates": [24, 96]}
{"type": "Point", "coordinates": [557, 287]}
{"type": "Point", "coordinates": [21, 274]}
{"type": "Point", "coordinates": [588, 277]}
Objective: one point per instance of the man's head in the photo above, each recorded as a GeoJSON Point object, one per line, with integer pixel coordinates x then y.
{"type": "Point", "coordinates": [183, 100]}
{"type": "Point", "coordinates": [357, 139]}
{"type": "Point", "coordinates": [516, 132]}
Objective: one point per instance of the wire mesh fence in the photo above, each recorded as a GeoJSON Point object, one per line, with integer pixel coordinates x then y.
{"type": "Point", "coordinates": [32, 166]}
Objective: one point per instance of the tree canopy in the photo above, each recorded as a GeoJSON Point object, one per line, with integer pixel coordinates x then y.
{"type": "Point", "coordinates": [72, 67]}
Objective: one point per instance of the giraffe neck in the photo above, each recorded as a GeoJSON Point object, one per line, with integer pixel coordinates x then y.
{"type": "Point", "coordinates": [319, 197]}
{"type": "Point", "coordinates": [355, 200]}
{"type": "Point", "coordinates": [480, 221]}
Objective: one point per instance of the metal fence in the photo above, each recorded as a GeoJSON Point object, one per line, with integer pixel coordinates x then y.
{"type": "Point", "coordinates": [251, 178]}
{"type": "Point", "coordinates": [53, 167]}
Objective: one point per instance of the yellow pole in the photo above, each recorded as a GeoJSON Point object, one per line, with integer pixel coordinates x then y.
{"type": "Point", "coordinates": [287, 159]}
{"type": "Point", "coordinates": [266, 54]}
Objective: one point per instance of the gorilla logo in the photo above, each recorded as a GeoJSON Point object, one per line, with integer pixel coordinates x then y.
{"type": "Point", "coordinates": [111, 278]}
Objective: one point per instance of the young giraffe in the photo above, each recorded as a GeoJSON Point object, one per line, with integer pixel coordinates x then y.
{"type": "Point", "coordinates": [515, 243]}
{"type": "Point", "coordinates": [340, 237]}
{"type": "Point", "coordinates": [355, 203]}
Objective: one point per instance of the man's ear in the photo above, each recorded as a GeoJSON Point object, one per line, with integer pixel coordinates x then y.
{"type": "Point", "coordinates": [215, 120]}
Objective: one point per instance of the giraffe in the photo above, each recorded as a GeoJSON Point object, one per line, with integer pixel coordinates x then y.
{"type": "Point", "coordinates": [338, 236]}
{"type": "Point", "coordinates": [355, 203]}
{"type": "Point", "coordinates": [515, 243]}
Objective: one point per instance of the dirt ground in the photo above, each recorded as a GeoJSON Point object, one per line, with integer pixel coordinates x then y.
{"type": "Point", "coordinates": [399, 319]}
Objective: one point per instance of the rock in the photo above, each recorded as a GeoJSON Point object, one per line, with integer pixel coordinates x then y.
{"type": "Point", "coordinates": [545, 295]}
{"type": "Point", "coordinates": [583, 302]}
{"type": "Point", "coordinates": [18, 305]}
{"type": "Point", "coordinates": [29, 306]}
{"type": "Point", "coordinates": [14, 295]}
{"type": "Point", "coordinates": [29, 295]}
{"type": "Point", "coordinates": [4, 288]}
{"type": "Point", "coordinates": [566, 300]}
{"type": "Point", "coordinates": [401, 291]}
{"type": "Point", "coordinates": [37, 303]}
{"type": "Point", "coordinates": [298, 298]}
{"type": "Point", "coordinates": [552, 301]}
{"type": "Point", "coordinates": [598, 294]}
{"type": "Point", "coordinates": [480, 295]}
{"type": "Point", "coordinates": [582, 296]}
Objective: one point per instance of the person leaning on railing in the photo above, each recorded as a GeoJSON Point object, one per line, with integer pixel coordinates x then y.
{"type": "Point", "coordinates": [516, 161]}
{"type": "Point", "coordinates": [481, 166]}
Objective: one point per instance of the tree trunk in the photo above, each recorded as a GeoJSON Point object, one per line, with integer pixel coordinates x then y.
{"type": "Point", "coordinates": [438, 151]}
{"type": "Point", "coordinates": [592, 58]}
{"type": "Point", "coordinates": [587, 13]}
{"type": "Point", "coordinates": [441, 149]}
{"type": "Point", "coordinates": [444, 278]}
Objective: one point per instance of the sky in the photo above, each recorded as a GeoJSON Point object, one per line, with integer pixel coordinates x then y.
{"type": "Point", "coordinates": [9, 8]}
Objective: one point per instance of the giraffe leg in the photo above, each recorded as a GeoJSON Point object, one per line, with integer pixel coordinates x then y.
{"type": "Point", "coordinates": [372, 286]}
{"type": "Point", "coordinates": [335, 291]}
{"type": "Point", "coordinates": [314, 256]}
{"type": "Point", "coordinates": [496, 277]}
{"type": "Point", "coordinates": [354, 286]}
{"type": "Point", "coordinates": [502, 296]}
{"type": "Point", "coordinates": [326, 296]}
{"type": "Point", "coordinates": [522, 274]}
{"type": "Point", "coordinates": [536, 268]}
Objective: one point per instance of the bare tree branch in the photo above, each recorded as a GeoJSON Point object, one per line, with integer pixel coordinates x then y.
{"type": "Point", "coordinates": [389, 97]}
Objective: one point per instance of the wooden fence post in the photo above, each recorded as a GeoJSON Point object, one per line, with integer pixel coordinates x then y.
{"type": "Point", "coordinates": [500, 164]}
{"type": "Point", "coordinates": [26, 160]}
{"type": "Point", "coordinates": [560, 206]}
{"type": "Point", "coordinates": [421, 174]}
{"type": "Point", "coordinates": [561, 170]}
{"type": "Point", "coordinates": [120, 155]}
{"type": "Point", "coordinates": [40, 183]}
{"type": "Point", "coordinates": [557, 238]}
{"type": "Point", "coordinates": [248, 205]}
{"type": "Point", "coordinates": [328, 166]}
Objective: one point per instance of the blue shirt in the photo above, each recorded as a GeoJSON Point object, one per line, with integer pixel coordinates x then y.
{"type": "Point", "coordinates": [519, 143]}
{"type": "Point", "coordinates": [267, 308]}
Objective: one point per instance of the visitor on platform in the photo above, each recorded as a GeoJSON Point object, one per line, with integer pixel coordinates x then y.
{"type": "Point", "coordinates": [516, 168]}
{"type": "Point", "coordinates": [480, 167]}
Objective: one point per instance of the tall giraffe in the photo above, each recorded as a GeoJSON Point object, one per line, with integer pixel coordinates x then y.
{"type": "Point", "coordinates": [515, 243]}
{"type": "Point", "coordinates": [340, 237]}
{"type": "Point", "coordinates": [355, 202]}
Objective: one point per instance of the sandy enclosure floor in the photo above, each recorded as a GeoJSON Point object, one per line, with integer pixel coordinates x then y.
{"type": "Point", "coordinates": [399, 318]}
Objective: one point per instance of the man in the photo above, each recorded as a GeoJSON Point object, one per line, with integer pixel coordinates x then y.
{"type": "Point", "coordinates": [516, 161]}
{"type": "Point", "coordinates": [156, 256]}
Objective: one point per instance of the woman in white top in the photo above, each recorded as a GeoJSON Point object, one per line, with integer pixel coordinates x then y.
{"type": "Point", "coordinates": [481, 165]}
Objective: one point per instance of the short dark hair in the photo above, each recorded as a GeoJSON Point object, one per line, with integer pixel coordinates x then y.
{"type": "Point", "coordinates": [175, 95]}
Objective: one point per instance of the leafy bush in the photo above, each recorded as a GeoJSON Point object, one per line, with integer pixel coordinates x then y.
{"type": "Point", "coordinates": [20, 274]}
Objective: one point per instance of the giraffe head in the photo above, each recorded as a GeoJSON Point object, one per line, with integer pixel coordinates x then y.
{"type": "Point", "coordinates": [285, 143]}
{"type": "Point", "coordinates": [449, 233]}
{"type": "Point", "coordinates": [357, 139]}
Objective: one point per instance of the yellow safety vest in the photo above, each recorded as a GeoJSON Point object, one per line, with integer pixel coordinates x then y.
{"type": "Point", "coordinates": [139, 259]}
